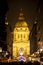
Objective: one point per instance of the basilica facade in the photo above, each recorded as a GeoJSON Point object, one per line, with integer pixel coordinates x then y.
{"type": "Point", "coordinates": [21, 42]}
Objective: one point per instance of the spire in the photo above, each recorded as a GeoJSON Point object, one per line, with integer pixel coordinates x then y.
{"type": "Point", "coordinates": [21, 15]}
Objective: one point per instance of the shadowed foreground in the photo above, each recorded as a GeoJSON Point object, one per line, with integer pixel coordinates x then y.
{"type": "Point", "coordinates": [21, 63]}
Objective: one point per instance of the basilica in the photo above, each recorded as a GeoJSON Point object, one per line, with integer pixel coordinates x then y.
{"type": "Point", "coordinates": [21, 41]}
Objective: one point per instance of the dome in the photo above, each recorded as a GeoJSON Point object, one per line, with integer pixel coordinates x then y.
{"type": "Point", "coordinates": [21, 23]}
{"type": "Point", "coordinates": [21, 20]}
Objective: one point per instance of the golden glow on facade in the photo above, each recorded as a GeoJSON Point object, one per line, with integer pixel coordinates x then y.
{"type": "Point", "coordinates": [21, 42]}
{"type": "Point", "coordinates": [21, 39]}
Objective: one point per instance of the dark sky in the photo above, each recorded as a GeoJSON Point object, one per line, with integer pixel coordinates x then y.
{"type": "Point", "coordinates": [31, 9]}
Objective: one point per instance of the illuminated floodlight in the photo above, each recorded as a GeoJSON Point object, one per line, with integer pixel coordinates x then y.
{"type": "Point", "coordinates": [21, 53]}
{"type": "Point", "coordinates": [41, 50]}
{"type": "Point", "coordinates": [21, 58]}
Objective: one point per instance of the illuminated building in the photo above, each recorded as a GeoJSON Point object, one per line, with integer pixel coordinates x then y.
{"type": "Point", "coordinates": [21, 42]}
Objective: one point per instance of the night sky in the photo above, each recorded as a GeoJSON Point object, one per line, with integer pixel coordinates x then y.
{"type": "Point", "coordinates": [31, 9]}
